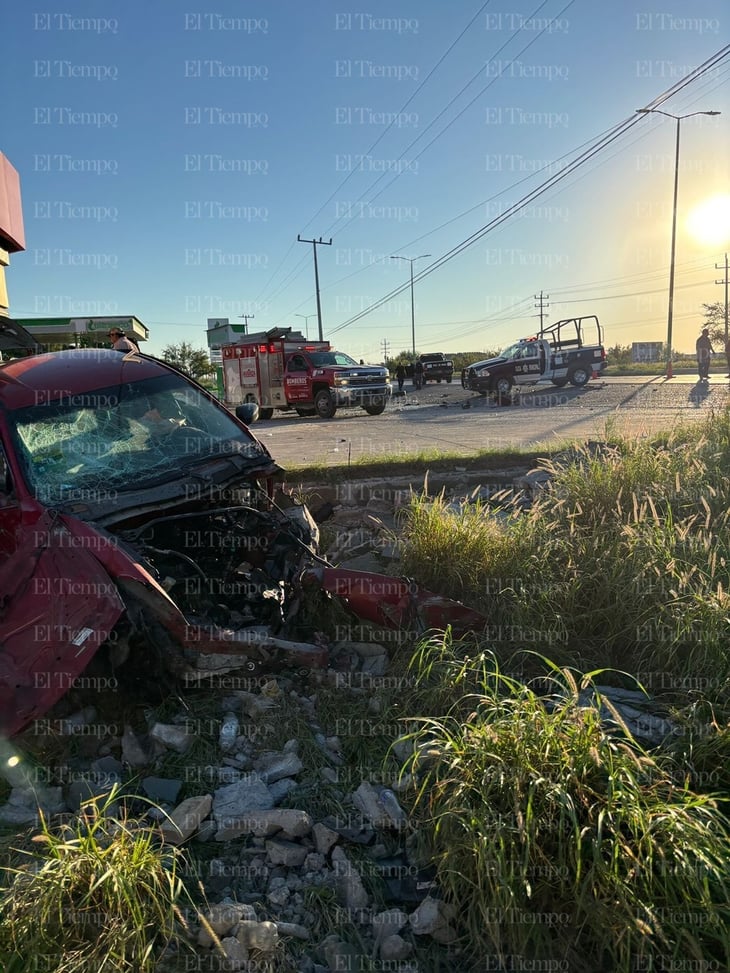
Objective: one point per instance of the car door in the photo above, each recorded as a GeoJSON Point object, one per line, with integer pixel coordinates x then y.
{"type": "Point", "coordinates": [527, 367]}
{"type": "Point", "coordinates": [296, 380]}
{"type": "Point", "coordinates": [57, 606]}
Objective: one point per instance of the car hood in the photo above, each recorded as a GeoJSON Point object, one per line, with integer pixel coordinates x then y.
{"type": "Point", "coordinates": [488, 362]}
{"type": "Point", "coordinates": [188, 489]}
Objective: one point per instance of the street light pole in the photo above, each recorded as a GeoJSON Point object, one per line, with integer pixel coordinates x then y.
{"type": "Point", "coordinates": [411, 261]}
{"type": "Point", "coordinates": [306, 322]}
{"type": "Point", "coordinates": [670, 307]}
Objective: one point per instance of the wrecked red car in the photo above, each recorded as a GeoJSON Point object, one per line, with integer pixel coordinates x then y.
{"type": "Point", "coordinates": [138, 514]}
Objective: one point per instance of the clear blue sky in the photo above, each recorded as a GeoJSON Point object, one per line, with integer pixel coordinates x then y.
{"type": "Point", "coordinates": [170, 154]}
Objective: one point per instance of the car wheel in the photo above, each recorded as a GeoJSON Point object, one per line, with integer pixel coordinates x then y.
{"type": "Point", "coordinates": [266, 413]}
{"type": "Point", "coordinates": [502, 388]}
{"type": "Point", "coordinates": [560, 382]}
{"type": "Point", "coordinates": [324, 404]}
{"type": "Point", "coordinates": [579, 376]}
{"type": "Point", "coordinates": [449, 380]}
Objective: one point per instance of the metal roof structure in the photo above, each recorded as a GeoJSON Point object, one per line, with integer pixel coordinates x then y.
{"type": "Point", "coordinates": [69, 331]}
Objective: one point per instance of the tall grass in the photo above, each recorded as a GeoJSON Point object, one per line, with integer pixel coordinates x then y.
{"type": "Point", "coordinates": [623, 561]}
{"type": "Point", "coordinates": [96, 896]}
{"type": "Point", "coordinates": [555, 840]}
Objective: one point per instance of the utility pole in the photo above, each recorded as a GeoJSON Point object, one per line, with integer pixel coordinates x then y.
{"type": "Point", "coordinates": [246, 319]}
{"type": "Point", "coordinates": [314, 243]}
{"type": "Point", "coordinates": [542, 305]}
{"type": "Point", "coordinates": [670, 306]}
{"type": "Point", "coordinates": [384, 343]}
{"type": "Point", "coordinates": [725, 282]}
{"type": "Point", "coordinates": [411, 261]}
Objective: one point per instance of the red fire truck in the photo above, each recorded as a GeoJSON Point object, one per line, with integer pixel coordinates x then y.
{"type": "Point", "coordinates": [281, 369]}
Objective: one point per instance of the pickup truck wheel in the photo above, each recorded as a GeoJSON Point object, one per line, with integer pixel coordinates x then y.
{"type": "Point", "coordinates": [325, 404]}
{"type": "Point", "coordinates": [502, 388]}
{"type": "Point", "coordinates": [266, 413]}
{"type": "Point", "coordinates": [579, 376]}
{"type": "Point", "coordinates": [560, 382]}
{"type": "Point", "coordinates": [375, 410]}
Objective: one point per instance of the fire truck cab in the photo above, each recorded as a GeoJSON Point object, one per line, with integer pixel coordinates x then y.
{"type": "Point", "coordinates": [281, 369]}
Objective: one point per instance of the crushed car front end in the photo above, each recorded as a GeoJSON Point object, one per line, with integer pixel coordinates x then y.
{"type": "Point", "coordinates": [135, 508]}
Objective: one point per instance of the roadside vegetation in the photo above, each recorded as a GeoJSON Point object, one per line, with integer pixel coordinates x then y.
{"type": "Point", "coordinates": [96, 894]}
{"type": "Point", "coordinates": [555, 835]}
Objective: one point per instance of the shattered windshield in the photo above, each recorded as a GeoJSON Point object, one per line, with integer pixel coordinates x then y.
{"type": "Point", "coordinates": [123, 437]}
{"type": "Point", "coordinates": [512, 351]}
{"type": "Point", "coordinates": [322, 358]}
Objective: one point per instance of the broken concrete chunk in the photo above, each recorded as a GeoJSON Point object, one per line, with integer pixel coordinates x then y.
{"type": "Point", "coordinates": [349, 884]}
{"type": "Point", "coordinates": [431, 918]}
{"type": "Point", "coordinates": [238, 799]}
{"type": "Point", "coordinates": [289, 822]}
{"type": "Point", "coordinates": [275, 766]}
{"type": "Point", "coordinates": [134, 751]}
{"type": "Point", "coordinates": [237, 956]}
{"type": "Point", "coordinates": [324, 838]}
{"type": "Point", "coordinates": [25, 803]}
{"type": "Point", "coordinates": [292, 929]}
{"type": "Point", "coordinates": [281, 789]}
{"type": "Point", "coordinates": [222, 919]}
{"type": "Point", "coordinates": [258, 935]}
{"type": "Point", "coordinates": [173, 737]}
{"type": "Point", "coordinates": [287, 853]}
{"type": "Point", "coordinates": [186, 819]}
{"type": "Point", "coordinates": [161, 789]}
{"type": "Point", "coordinates": [394, 948]}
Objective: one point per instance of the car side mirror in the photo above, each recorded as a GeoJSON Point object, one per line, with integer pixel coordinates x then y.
{"type": "Point", "coordinates": [248, 412]}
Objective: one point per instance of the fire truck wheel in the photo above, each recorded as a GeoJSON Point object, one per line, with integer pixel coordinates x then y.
{"type": "Point", "coordinates": [305, 412]}
{"type": "Point", "coordinates": [265, 413]}
{"type": "Point", "coordinates": [375, 410]}
{"type": "Point", "coordinates": [324, 404]}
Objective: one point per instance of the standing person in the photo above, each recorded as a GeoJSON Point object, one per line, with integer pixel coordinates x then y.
{"type": "Point", "coordinates": [727, 356]}
{"type": "Point", "coordinates": [418, 374]}
{"type": "Point", "coordinates": [400, 374]}
{"type": "Point", "coordinates": [704, 353]}
{"type": "Point", "coordinates": [120, 342]}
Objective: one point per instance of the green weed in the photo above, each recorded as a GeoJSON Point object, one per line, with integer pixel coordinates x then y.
{"type": "Point", "coordinates": [554, 838]}
{"type": "Point", "coordinates": [96, 895]}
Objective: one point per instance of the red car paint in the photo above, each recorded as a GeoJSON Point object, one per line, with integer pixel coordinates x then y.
{"type": "Point", "coordinates": [96, 500]}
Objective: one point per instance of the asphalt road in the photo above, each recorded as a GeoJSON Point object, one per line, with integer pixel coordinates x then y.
{"type": "Point", "coordinates": [448, 418]}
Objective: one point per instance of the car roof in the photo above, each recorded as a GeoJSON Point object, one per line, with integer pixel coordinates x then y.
{"type": "Point", "coordinates": [55, 375]}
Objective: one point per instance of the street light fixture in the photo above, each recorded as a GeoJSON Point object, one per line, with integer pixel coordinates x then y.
{"type": "Point", "coordinates": [411, 261]}
{"type": "Point", "coordinates": [670, 310]}
{"type": "Point", "coordinates": [306, 322]}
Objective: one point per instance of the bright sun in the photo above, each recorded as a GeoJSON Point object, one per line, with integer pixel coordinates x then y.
{"type": "Point", "coordinates": [709, 221]}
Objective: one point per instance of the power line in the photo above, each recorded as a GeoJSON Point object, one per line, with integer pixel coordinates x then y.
{"type": "Point", "coordinates": [617, 131]}
{"type": "Point", "coordinates": [374, 145]}
{"type": "Point", "coordinates": [533, 40]}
